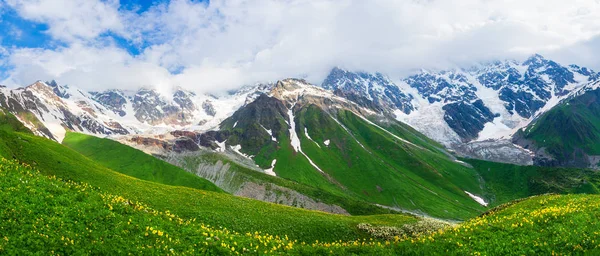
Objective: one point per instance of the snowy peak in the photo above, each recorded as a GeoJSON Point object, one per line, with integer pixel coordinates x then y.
{"type": "Point", "coordinates": [299, 92]}
{"type": "Point", "coordinates": [486, 101]}
{"type": "Point", "coordinates": [50, 109]}
{"type": "Point", "coordinates": [374, 91]}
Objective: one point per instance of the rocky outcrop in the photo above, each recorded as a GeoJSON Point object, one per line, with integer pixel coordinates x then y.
{"type": "Point", "coordinates": [374, 91]}
{"type": "Point", "coordinates": [230, 179]}
{"type": "Point", "coordinates": [467, 119]}
{"type": "Point", "coordinates": [503, 151]}
{"type": "Point", "coordinates": [281, 195]}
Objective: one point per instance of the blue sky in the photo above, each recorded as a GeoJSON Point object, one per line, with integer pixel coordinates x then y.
{"type": "Point", "coordinates": [221, 45]}
{"type": "Point", "coordinates": [20, 32]}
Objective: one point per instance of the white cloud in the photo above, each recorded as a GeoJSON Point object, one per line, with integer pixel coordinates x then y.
{"type": "Point", "coordinates": [229, 43]}
{"type": "Point", "coordinates": [70, 20]}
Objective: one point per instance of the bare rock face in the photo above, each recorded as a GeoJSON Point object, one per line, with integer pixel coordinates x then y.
{"type": "Point", "coordinates": [227, 178]}
{"type": "Point", "coordinates": [280, 195]}
{"type": "Point", "coordinates": [209, 108]}
{"type": "Point", "coordinates": [150, 107]}
{"type": "Point", "coordinates": [503, 151]}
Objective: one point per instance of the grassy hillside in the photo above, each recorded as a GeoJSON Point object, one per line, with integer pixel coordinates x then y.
{"type": "Point", "coordinates": [396, 166]}
{"type": "Point", "coordinates": [215, 209]}
{"type": "Point", "coordinates": [237, 175]}
{"type": "Point", "coordinates": [49, 215]}
{"type": "Point", "coordinates": [133, 162]}
{"type": "Point", "coordinates": [570, 131]}
{"type": "Point", "coordinates": [543, 225]}
{"type": "Point", "coordinates": [506, 182]}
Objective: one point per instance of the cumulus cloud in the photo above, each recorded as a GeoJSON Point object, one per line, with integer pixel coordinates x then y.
{"type": "Point", "coordinates": [71, 20]}
{"type": "Point", "coordinates": [222, 45]}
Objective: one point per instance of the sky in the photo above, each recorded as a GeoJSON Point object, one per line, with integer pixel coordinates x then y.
{"type": "Point", "coordinates": [215, 46]}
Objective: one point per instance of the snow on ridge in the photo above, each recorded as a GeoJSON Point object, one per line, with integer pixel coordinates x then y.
{"type": "Point", "coordinates": [348, 131]}
{"type": "Point", "coordinates": [270, 132]}
{"type": "Point", "coordinates": [308, 136]}
{"type": "Point", "coordinates": [311, 162]}
{"type": "Point", "coordinates": [270, 170]}
{"type": "Point", "coordinates": [477, 199]}
{"type": "Point", "coordinates": [237, 149]}
{"type": "Point", "coordinates": [388, 132]}
{"type": "Point", "coordinates": [295, 140]}
{"type": "Point", "coordinates": [221, 146]}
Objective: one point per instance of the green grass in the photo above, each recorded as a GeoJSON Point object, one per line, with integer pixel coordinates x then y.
{"type": "Point", "coordinates": [129, 161]}
{"type": "Point", "coordinates": [570, 130]}
{"type": "Point", "coordinates": [49, 215]}
{"type": "Point", "coordinates": [368, 163]}
{"type": "Point", "coordinates": [211, 208]}
{"type": "Point", "coordinates": [506, 182]}
{"type": "Point", "coordinates": [240, 175]}
{"type": "Point", "coordinates": [543, 225]}
{"type": "Point", "coordinates": [362, 162]}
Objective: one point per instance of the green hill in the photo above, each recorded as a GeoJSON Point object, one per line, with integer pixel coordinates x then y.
{"type": "Point", "coordinates": [129, 161]}
{"type": "Point", "coordinates": [507, 182]}
{"type": "Point", "coordinates": [211, 208]}
{"type": "Point", "coordinates": [543, 225]}
{"type": "Point", "coordinates": [386, 163]}
{"type": "Point", "coordinates": [569, 133]}
{"type": "Point", "coordinates": [49, 215]}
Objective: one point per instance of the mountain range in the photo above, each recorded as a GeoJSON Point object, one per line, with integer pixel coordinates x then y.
{"type": "Point", "coordinates": [473, 111]}
{"type": "Point", "coordinates": [388, 159]}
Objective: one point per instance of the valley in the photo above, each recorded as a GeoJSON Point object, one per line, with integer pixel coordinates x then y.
{"type": "Point", "coordinates": [361, 164]}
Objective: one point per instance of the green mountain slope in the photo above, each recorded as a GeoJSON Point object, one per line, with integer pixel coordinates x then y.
{"type": "Point", "coordinates": [132, 162]}
{"type": "Point", "coordinates": [215, 209]}
{"type": "Point", "coordinates": [543, 225]}
{"type": "Point", "coordinates": [569, 133]}
{"type": "Point", "coordinates": [49, 215]}
{"type": "Point", "coordinates": [233, 177]}
{"type": "Point", "coordinates": [507, 182]}
{"type": "Point", "coordinates": [347, 155]}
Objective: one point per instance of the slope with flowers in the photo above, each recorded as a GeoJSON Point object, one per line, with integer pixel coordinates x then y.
{"type": "Point", "coordinates": [542, 225]}
{"type": "Point", "coordinates": [50, 215]}
{"type": "Point", "coordinates": [208, 207]}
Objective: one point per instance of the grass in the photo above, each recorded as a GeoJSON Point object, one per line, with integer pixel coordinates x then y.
{"type": "Point", "coordinates": [506, 182]}
{"type": "Point", "coordinates": [570, 130]}
{"type": "Point", "coordinates": [49, 215]}
{"type": "Point", "coordinates": [211, 208]}
{"type": "Point", "coordinates": [133, 162]}
{"type": "Point", "coordinates": [240, 175]}
{"type": "Point", "coordinates": [542, 225]}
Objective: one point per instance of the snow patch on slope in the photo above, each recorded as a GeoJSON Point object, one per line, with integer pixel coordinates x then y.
{"type": "Point", "coordinates": [308, 136]}
{"type": "Point", "coordinates": [477, 199]}
{"type": "Point", "coordinates": [295, 140]}
{"type": "Point", "coordinates": [270, 170]}
{"type": "Point", "coordinates": [237, 149]}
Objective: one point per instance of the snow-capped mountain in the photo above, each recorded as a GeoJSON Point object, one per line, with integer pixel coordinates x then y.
{"type": "Point", "coordinates": [374, 91]}
{"type": "Point", "coordinates": [464, 109]}
{"type": "Point", "coordinates": [488, 101]}
{"type": "Point", "coordinates": [50, 109]}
